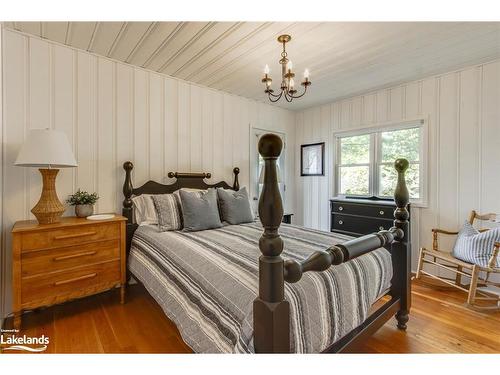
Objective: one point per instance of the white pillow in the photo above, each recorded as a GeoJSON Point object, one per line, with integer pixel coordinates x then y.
{"type": "Point", "coordinates": [145, 212]}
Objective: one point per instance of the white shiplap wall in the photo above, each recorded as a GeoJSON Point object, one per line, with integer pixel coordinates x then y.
{"type": "Point", "coordinates": [462, 109]}
{"type": "Point", "coordinates": [113, 112]}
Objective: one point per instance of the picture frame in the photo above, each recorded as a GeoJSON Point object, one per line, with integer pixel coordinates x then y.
{"type": "Point", "coordinates": [312, 159]}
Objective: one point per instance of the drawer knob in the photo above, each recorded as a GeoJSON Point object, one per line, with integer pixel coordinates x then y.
{"type": "Point", "coordinates": [380, 228]}
{"type": "Point", "coordinates": [381, 212]}
{"type": "Point", "coordinates": [341, 222]}
{"type": "Point", "coordinates": [341, 208]}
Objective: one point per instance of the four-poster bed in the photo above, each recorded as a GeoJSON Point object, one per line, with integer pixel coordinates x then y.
{"type": "Point", "coordinates": [270, 325]}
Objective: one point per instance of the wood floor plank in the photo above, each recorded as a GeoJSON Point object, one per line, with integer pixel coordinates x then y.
{"type": "Point", "coordinates": [439, 323]}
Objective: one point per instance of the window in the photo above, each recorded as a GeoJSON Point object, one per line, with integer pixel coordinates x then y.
{"type": "Point", "coordinates": [365, 161]}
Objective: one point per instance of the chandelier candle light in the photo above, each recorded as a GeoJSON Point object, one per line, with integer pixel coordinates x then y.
{"type": "Point", "coordinates": [287, 87]}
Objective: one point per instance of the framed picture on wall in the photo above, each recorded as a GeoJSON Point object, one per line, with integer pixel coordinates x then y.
{"type": "Point", "coordinates": [312, 159]}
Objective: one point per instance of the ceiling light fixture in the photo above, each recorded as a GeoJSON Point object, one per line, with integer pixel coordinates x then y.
{"type": "Point", "coordinates": [287, 83]}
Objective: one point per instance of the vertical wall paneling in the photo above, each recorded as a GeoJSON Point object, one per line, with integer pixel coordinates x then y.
{"type": "Point", "coordinates": [468, 155]}
{"type": "Point", "coordinates": [113, 112]}
{"type": "Point", "coordinates": [183, 129]}
{"type": "Point", "coordinates": [207, 130]}
{"type": "Point", "coordinates": [105, 148]}
{"type": "Point", "coordinates": [85, 123]}
{"type": "Point", "coordinates": [447, 159]}
{"type": "Point", "coordinates": [195, 137]}
{"type": "Point", "coordinates": [490, 136]}
{"type": "Point", "coordinates": [141, 127]}
{"type": "Point", "coordinates": [218, 140]}
{"type": "Point", "coordinates": [171, 130]}
{"type": "Point", "coordinates": [124, 89]}
{"type": "Point", "coordinates": [156, 127]}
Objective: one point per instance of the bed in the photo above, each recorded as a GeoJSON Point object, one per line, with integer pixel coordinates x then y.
{"type": "Point", "coordinates": [249, 287]}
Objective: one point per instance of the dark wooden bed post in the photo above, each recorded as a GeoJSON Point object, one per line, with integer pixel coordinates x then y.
{"type": "Point", "coordinates": [236, 182]}
{"type": "Point", "coordinates": [400, 248]}
{"type": "Point", "coordinates": [127, 191]}
{"type": "Point", "coordinates": [271, 313]}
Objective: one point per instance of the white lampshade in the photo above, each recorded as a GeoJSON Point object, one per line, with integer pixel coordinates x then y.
{"type": "Point", "coordinates": [45, 148]}
{"type": "Point", "coordinates": [278, 173]}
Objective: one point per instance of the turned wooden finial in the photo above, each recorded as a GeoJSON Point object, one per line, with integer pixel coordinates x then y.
{"type": "Point", "coordinates": [127, 190]}
{"type": "Point", "coordinates": [401, 197]}
{"type": "Point", "coordinates": [270, 204]}
{"type": "Point", "coordinates": [401, 249]}
{"type": "Point", "coordinates": [236, 182]}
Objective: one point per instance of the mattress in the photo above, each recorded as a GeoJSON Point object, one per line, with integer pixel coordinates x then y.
{"type": "Point", "coordinates": [206, 282]}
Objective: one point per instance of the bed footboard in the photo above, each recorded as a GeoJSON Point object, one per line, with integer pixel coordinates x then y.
{"type": "Point", "coordinates": [271, 312]}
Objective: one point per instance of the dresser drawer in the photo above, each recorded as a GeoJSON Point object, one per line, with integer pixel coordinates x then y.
{"type": "Point", "coordinates": [43, 261]}
{"type": "Point", "coordinates": [50, 287]}
{"type": "Point", "coordinates": [382, 211]}
{"type": "Point", "coordinates": [69, 236]}
{"type": "Point", "coordinates": [359, 224]}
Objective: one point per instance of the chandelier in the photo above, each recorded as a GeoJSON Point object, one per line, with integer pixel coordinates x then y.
{"type": "Point", "coordinates": [287, 88]}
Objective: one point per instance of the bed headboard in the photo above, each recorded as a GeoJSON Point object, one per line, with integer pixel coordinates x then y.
{"type": "Point", "coordinates": [183, 180]}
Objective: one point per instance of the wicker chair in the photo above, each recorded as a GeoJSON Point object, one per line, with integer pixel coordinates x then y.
{"type": "Point", "coordinates": [478, 275]}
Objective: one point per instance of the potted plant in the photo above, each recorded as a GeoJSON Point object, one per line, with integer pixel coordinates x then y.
{"type": "Point", "coordinates": [83, 202]}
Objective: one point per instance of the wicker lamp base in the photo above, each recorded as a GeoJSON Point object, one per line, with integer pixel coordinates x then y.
{"type": "Point", "coordinates": [49, 209]}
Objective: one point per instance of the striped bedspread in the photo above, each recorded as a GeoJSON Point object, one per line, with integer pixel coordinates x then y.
{"type": "Point", "coordinates": [206, 282]}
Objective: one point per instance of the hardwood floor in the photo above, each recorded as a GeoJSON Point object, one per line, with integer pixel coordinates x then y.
{"type": "Point", "coordinates": [439, 323]}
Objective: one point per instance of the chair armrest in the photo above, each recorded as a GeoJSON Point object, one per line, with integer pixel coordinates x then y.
{"type": "Point", "coordinates": [437, 230]}
{"type": "Point", "coordinates": [493, 260]}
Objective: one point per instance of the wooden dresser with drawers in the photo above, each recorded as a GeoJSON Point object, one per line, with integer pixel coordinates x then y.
{"type": "Point", "coordinates": [359, 216]}
{"type": "Point", "coordinates": [71, 259]}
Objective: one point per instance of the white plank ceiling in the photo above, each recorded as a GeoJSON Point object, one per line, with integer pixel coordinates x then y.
{"type": "Point", "coordinates": [344, 59]}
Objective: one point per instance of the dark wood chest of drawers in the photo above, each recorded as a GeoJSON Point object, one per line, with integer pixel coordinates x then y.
{"type": "Point", "coordinates": [357, 217]}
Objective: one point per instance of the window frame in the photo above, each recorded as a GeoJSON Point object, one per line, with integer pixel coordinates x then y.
{"type": "Point", "coordinates": [375, 154]}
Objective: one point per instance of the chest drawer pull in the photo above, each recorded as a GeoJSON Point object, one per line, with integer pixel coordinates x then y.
{"type": "Point", "coordinates": [341, 208]}
{"type": "Point", "coordinates": [381, 228]}
{"type": "Point", "coordinates": [84, 234]}
{"type": "Point", "coordinates": [82, 254]}
{"type": "Point", "coordinates": [341, 222]}
{"type": "Point", "coordinates": [381, 212]}
{"type": "Point", "coordinates": [84, 277]}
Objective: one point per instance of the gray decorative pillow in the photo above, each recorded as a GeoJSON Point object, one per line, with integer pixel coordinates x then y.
{"type": "Point", "coordinates": [235, 206]}
{"type": "Point", "coordinates": [476, 247]}
{"type": "Point", "coordinates": [169, 212]}
{"type": "Point", "coordinates": [199, 210]}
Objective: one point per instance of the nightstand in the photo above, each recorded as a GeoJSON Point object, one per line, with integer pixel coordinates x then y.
{"type": "Point", "coordinates": [76, 257]}
{"type": "Point", "coordinates": [287, 218]}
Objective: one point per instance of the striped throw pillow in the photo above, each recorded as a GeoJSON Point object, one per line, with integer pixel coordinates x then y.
{"type": "Point", "coordinates": [169, 212]}
{"type": "Point", "coordinates": [475, 247]}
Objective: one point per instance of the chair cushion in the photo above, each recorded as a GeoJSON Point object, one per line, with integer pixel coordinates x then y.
{"type": "Point", "coordinates": [235, 206]}
{"type": "Point", "coordinates": [475, 247]}
{"type": "Point", "coordinates": [168, 211]}
{"type": "Point", "coordinates": [199, 210]}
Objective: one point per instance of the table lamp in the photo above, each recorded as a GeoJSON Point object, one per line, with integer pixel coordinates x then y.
{"type": "Point", "coordinates": [48, 150]}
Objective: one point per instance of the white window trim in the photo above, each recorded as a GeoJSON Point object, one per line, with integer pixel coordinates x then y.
{"type": "Point", "coordinates": [377, 128]}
